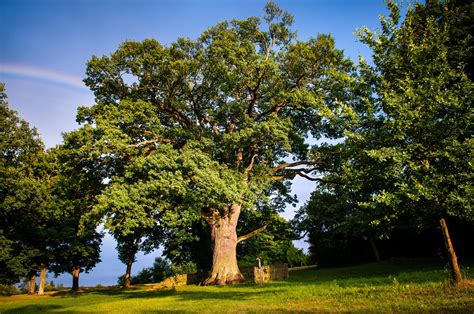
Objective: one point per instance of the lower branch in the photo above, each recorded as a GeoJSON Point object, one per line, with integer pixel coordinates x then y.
{"type": "Point", "coordinates": [251, 234]}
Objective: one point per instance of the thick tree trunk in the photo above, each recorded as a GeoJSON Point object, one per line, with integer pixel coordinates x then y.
{"type": "Point", "coordinates": [128, 273]}
{"type": "Point", "coordinates": [224, 249]}
{"type": "Point", "coordinates": [374, 249]}
{"type": "Point", "coordinates": [42, 279]}
{"type": "Point", "coordinates": [453, 260]}
{"type": "Point", "coordinates": [32, 283]}
{"type": "Point", "coordinates": [75, 278]}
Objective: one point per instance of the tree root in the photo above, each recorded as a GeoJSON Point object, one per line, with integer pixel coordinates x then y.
{"type": "Point", "coordinates": [223, 279]}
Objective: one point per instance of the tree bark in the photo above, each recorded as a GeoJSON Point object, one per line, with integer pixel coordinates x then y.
{"type": "Point", "coordinates": [224, 249]}
{"type": "Point", "coordinates": [42, 279]}
{"type": "Point", "coordinates": [374, 249]}
{"type": "Point", "coordinates": [128, 273]}
{"type": "Point", "coordinates": [452, 258]}
{"type": "Point", "coordinates": [32, 283]}
{"type": "Point", "coordinates": [75, 278]}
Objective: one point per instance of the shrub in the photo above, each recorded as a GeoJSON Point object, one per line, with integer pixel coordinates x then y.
{"type": "Point", "coordinates": [6, 289]}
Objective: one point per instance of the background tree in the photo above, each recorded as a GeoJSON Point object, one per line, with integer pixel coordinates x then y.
{"type": "Point", "coordinates": [76, 247]}
{"type": "Point", "coordinates": [273, 244]}
{"type": "Point", "coordinates": [426, 95]}
{"type": "Point", "coordinates": [408, 142]}
{"type": "Point", "coordinates": [134, 227]}
{"type": "Point", "coordinates": [27, 178]}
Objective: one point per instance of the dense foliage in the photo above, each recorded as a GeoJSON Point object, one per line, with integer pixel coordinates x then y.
{"type": "Point", "coordinates": [406, 160]}
{"type": "Point", "coordinates": [26, 183]}
{"type": "Point", "coordinates": [201, 129]}
{"type": "Point", "coordinates": [192, 146]}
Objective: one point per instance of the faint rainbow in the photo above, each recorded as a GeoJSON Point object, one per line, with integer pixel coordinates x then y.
{"type": "Point", "coordinates": [43, 75]}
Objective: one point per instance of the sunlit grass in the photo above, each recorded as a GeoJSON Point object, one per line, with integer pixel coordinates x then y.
{"type": "Point", "coordinates": [386, 287]}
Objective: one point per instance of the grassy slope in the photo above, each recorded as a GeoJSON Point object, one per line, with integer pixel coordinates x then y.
{"type": "Point", "coordinates": [386, 287]}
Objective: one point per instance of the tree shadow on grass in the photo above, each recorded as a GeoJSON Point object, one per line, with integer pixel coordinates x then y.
{"type": "Point", "coordinates": [186, 295]}
{"type": "Point", "coordinates": [415, 271]}
{"type": "Point", "coordinates": [35, 308]}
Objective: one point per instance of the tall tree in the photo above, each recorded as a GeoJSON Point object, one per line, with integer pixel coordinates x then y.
{"type": "Point", "coordinates": [76, 247]}
{"type": "Point", "coordinates": [408, 145]}
{"type": "Point", "coordinates": [26, 180]}
{"type": "Point", "coordinates": [426, 96]}
{"type": "Point", "coordinates": [134, 227]}
{"type": "Point", "coordinates": [205, 127]}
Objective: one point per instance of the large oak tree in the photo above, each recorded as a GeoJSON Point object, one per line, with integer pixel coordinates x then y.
{"type": "Point", "coordinates": [201, 129]}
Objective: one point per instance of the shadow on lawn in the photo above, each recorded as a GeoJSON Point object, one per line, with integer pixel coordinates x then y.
{"type": "Point", "coordinates": [35, 308]}
{"type": "Point", "coordinates": [187, 295]}
{"type": "Point", "coordinates": [416, 271]}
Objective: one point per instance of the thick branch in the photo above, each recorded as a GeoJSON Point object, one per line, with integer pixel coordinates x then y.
{"type": "Point", "coordinates": [298, 80]}
{"type": "Point", "coordinates": [251, 234]}
{"type": "Point", "coordinates": [213, 124]}
{"type": "Point", "coordinates": [233, 125]}
{"type": "Point", "coordinates": [278, 178]}
{"type": "Point", "coordinates": [155, 140]}
{"type": "Point", "coordinates": [212, 217]}
{"type": "Point", "coordinates": [239, 159]}
{"type": "Point", "coordinates": [251, 163]}
{"type": "Point", "coordinates": [291, 164]}
{"type": "Point", "coordinates": [254, 98]}
{"type": "Point", "coordinates": [311, 178]}
{"type": "Point", "coordinates": [272, 110]}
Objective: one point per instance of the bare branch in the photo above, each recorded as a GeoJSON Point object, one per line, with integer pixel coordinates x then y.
{"type": "Point", "coordinates": [251, 234]}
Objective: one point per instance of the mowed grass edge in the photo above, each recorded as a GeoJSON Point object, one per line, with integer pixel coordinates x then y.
{"type": "Point", "coordinates": [406, 286]}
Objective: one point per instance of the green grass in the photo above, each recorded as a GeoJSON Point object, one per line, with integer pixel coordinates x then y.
{"type": "Point", "coordinates": [410, 286]}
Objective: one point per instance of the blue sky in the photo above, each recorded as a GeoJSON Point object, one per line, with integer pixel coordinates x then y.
{"type": "Point", "coordinates": [45, 45]}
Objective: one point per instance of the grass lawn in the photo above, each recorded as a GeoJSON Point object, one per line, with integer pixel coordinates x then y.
{"type": "Point", "coordinates": [409, 286]}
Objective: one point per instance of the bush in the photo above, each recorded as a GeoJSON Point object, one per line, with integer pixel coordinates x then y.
{"type": "Point", "coordinates": [160, 270]}
{"type": "Point", "coordinates": [184, 268]}
{"type": "Point", "coordinates": [6, 289]}
{"type": "Point", "coordinates": [49, 286]}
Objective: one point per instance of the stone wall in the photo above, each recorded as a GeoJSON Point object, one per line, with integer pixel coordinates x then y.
{"type": "Point", "coordinates": [264, 274]}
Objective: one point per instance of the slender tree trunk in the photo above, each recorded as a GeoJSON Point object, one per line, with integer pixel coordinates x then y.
{"type": "Point", "coordinates": [75, 278]}
{"type": "Point", "coordinates": [224, 249]}
{"type": "Point", "coordinates": [374, 249]}
{"type": "Point", "coordinates": [42, 279]}
{"type": "Point", "coordinates": [453, 260]}
{"type": "Point", "coordinates": [32, 283]}
{"type": "Point", "coordinates": [127, 283]}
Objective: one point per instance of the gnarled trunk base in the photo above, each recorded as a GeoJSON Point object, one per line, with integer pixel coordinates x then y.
{"type": "Point", "coordinates": [224, 277]}
{"type": "Point", "coordinates": [224, 246]}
